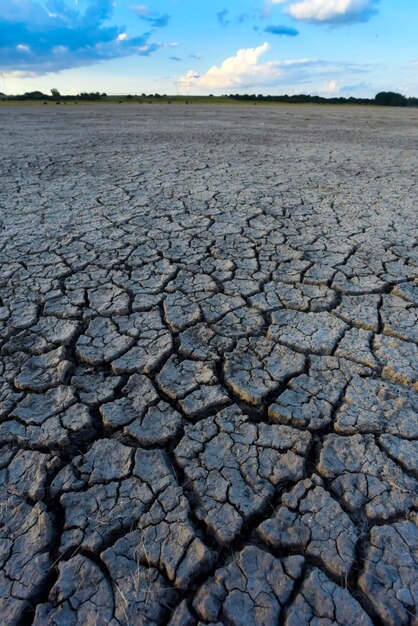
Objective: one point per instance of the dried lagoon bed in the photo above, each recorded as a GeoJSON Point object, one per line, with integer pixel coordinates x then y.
{"type": "Point", "coordinates": [209, 365]}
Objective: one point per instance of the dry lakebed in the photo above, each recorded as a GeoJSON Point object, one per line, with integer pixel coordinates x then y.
{"type": "Point", "coordinates": [208, 365]}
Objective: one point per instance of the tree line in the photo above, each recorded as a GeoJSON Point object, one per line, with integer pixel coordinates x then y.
{"type": "Point", "coordinates": [55, 95]}
{"type": "Point", "coordinates": [383, 98]}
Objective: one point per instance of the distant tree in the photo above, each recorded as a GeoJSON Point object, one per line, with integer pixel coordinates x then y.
{"type": "Point", "coordinates": [129, 97]}
{"type": "Point", "coordinates": [94, 95]}
{"type": "Point", "coordinates": [391, 99]}
{"type": "Point", "coordinates": [55, 94]}
{"type": "Point", "coordinates": [35, 95]}
{"type": "Point", "coordinates": [104, 95]}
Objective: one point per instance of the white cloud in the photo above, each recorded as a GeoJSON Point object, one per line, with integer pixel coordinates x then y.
{"type": "Point", "coordinates": [242, 70]}
{"type": "Point", "coordinates": [333, 11]}
{"type": "Point", "coordinates": [145, 49]}
{"type": "Point", "coordinates": [18, 75]}
{"type": "Point", "coordinates": [141, 10]}
{"type": "Point", "coordinates": [332, 87]}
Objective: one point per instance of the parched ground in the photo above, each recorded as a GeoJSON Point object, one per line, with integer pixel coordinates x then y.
{"type": "Point", "coordinates": [209, 366]}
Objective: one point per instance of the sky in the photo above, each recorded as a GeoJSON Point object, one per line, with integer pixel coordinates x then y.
{"type": "Point", "coordinates": [325, 47]}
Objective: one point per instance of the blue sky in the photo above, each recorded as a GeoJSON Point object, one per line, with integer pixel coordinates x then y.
{"type": "Point", "coordinates": [327, 47]}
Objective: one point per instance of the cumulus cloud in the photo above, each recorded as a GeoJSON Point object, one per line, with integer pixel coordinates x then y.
{"type": "Point", "coordinates": [244, 70]}
{"type": "Point", "coordinates": [332, 87]}
{"type": "Point", "coordinates": [281, 30]}
{"type": "Point", "coordinates": [331, 11]}
{"type": "Point", "coordinates": [40, 39]}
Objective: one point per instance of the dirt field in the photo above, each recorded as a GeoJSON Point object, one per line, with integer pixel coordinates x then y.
{"type": "Point", "coordinates": [209, 366]}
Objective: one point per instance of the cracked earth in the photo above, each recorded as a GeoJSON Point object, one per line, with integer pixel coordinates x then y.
{"type": "Point", "coordinates": [209, 366]}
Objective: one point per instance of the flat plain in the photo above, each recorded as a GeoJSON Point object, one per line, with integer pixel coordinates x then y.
{"type": "Point", "coordinates": [209, 366]}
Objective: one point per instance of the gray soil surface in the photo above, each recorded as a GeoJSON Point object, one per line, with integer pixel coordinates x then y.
{"type": "Point", "coordinates": [209, 366]}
